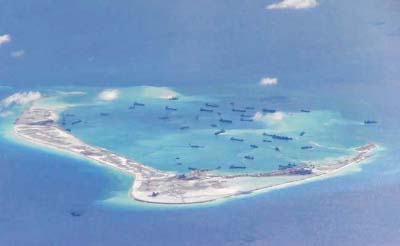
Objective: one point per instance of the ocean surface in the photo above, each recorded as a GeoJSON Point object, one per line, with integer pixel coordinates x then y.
{"type": "Point", "coordinates": [340, 61]}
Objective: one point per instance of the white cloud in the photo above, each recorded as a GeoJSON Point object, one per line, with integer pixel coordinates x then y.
{"type": "Point", "coordinates": [159, 92]}
{"type": "Point", "coordinates": [270, 117]}
{"type": "Point", "coordinates": [5, 38]}
{"type": "Point", "coordinates": [294, 4]}
{"type": "Point", "coordinates": [277, 116]}
{"type": "Point", "coordinates": [18, 53]}
{"type": "Point", "coordinates": [109, 94]}
{"type": "Point", "coordinates": [21, 98]}
{"type": "Point", "coordinates": [267, 81]}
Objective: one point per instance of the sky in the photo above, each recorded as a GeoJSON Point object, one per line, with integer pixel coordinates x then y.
{"type": "Point", "coordinates": [125, 42]}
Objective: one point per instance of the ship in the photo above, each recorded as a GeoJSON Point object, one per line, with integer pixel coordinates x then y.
{"type": "Point", "coordinates": [238, 110]}
{"type": "Point", "coordinates": [170, 108]}
{"type": "Point", "coordinates": [184, 127]}
{"type": "Point", "coordinates": [76, 122]}
{"type": "Point", "coordinates": [302, 171]}
{"type": "Point", "coordinates": [225, 121]}
{"type": "Point", "coordinates": [289, 165]}
{"type": "Point", "coordinates": [266, 110]}
{"type": "Point", "coordinates": [76, 213]}
{"type": "Point", "coordinates": [219, 132]}
{"type": "Point", "coordinates": [211, 105]}
{"type": "Point", "coordinates": [138, 104]}
{"type": "Point", "coordinates": [206, 110]}
{"type": "Point", "coordinates": [195, 146]}
{"type": "Point", "coordinates": [278, 137]}
{"type": "Point", "coordinates": [307, 147]}
{"type": "Point", "coordinates": [236, 167]}
{"type": "Point", "coordinates": [249, 157]}
{"type": "Point", "coordinates": [237, 139]}
{"type": "Point", "coordinates": [370, 122]}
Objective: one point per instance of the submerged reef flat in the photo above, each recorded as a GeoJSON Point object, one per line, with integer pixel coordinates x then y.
{"type": "Point", "coordinates": [39, 126]}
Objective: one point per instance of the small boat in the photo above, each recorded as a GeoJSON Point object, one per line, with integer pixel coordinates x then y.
{"type": "Point", "coordinates": [249, 157]}
{"type": "Point", "coordinates": [249, 108]}
{"type": "Point", "coordinates": [174, 98]}
{"type": "Point", "coordinates": [266, 110]}
{"type": "Point", "coordinates": [237, 139]}
{"type": "Point", "coordinates": [246, 119]}
{"type": "Point", "coordinates": [267, 141]}
{"type": "Point", "coordinates": [104, 114]}
{"type": "Point", "coordinates": [219, 132]}
{"type": "Point", "coordinates": [163, 118]}
{"type": "Point", "coordinates": [184, 127]}
{"type": "Point", "coordinates": [307, 147]}
{"type": "Point", "coordinates": [212, 105]}
{"type": "Point", "coordinates": [370, 122]}
{"type": "Point", "coordinates": [170, 108]}
{"type": "Point", "coordinates": [213, 125]}
{"type": "Point", "coordinates": [154, 194]}
{"type": "Point", "coordinates": [225, 121]}
{"type": "Point", "coordinates": [305, 111]}
{"type": "Point", "coordinates": [68, 129]}
{"type": "Point", "coordinates": [277, 149]}
{"type": "Point", "coordinates": [192, 168]}
{"type": "Point", "coordinates": [246, 116]}
{"type": "Point", "coordinates": [236, 167]}
{"type": "Point", "coordinates": [302, 134]}
{"type": "Point", "coordinates": [206, 110]}
{"type": "Point", "coordinates": [254, 146]}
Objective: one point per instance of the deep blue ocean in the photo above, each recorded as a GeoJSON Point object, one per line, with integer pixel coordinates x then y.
{"type": "Point", "coordinates": [340, 60]}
